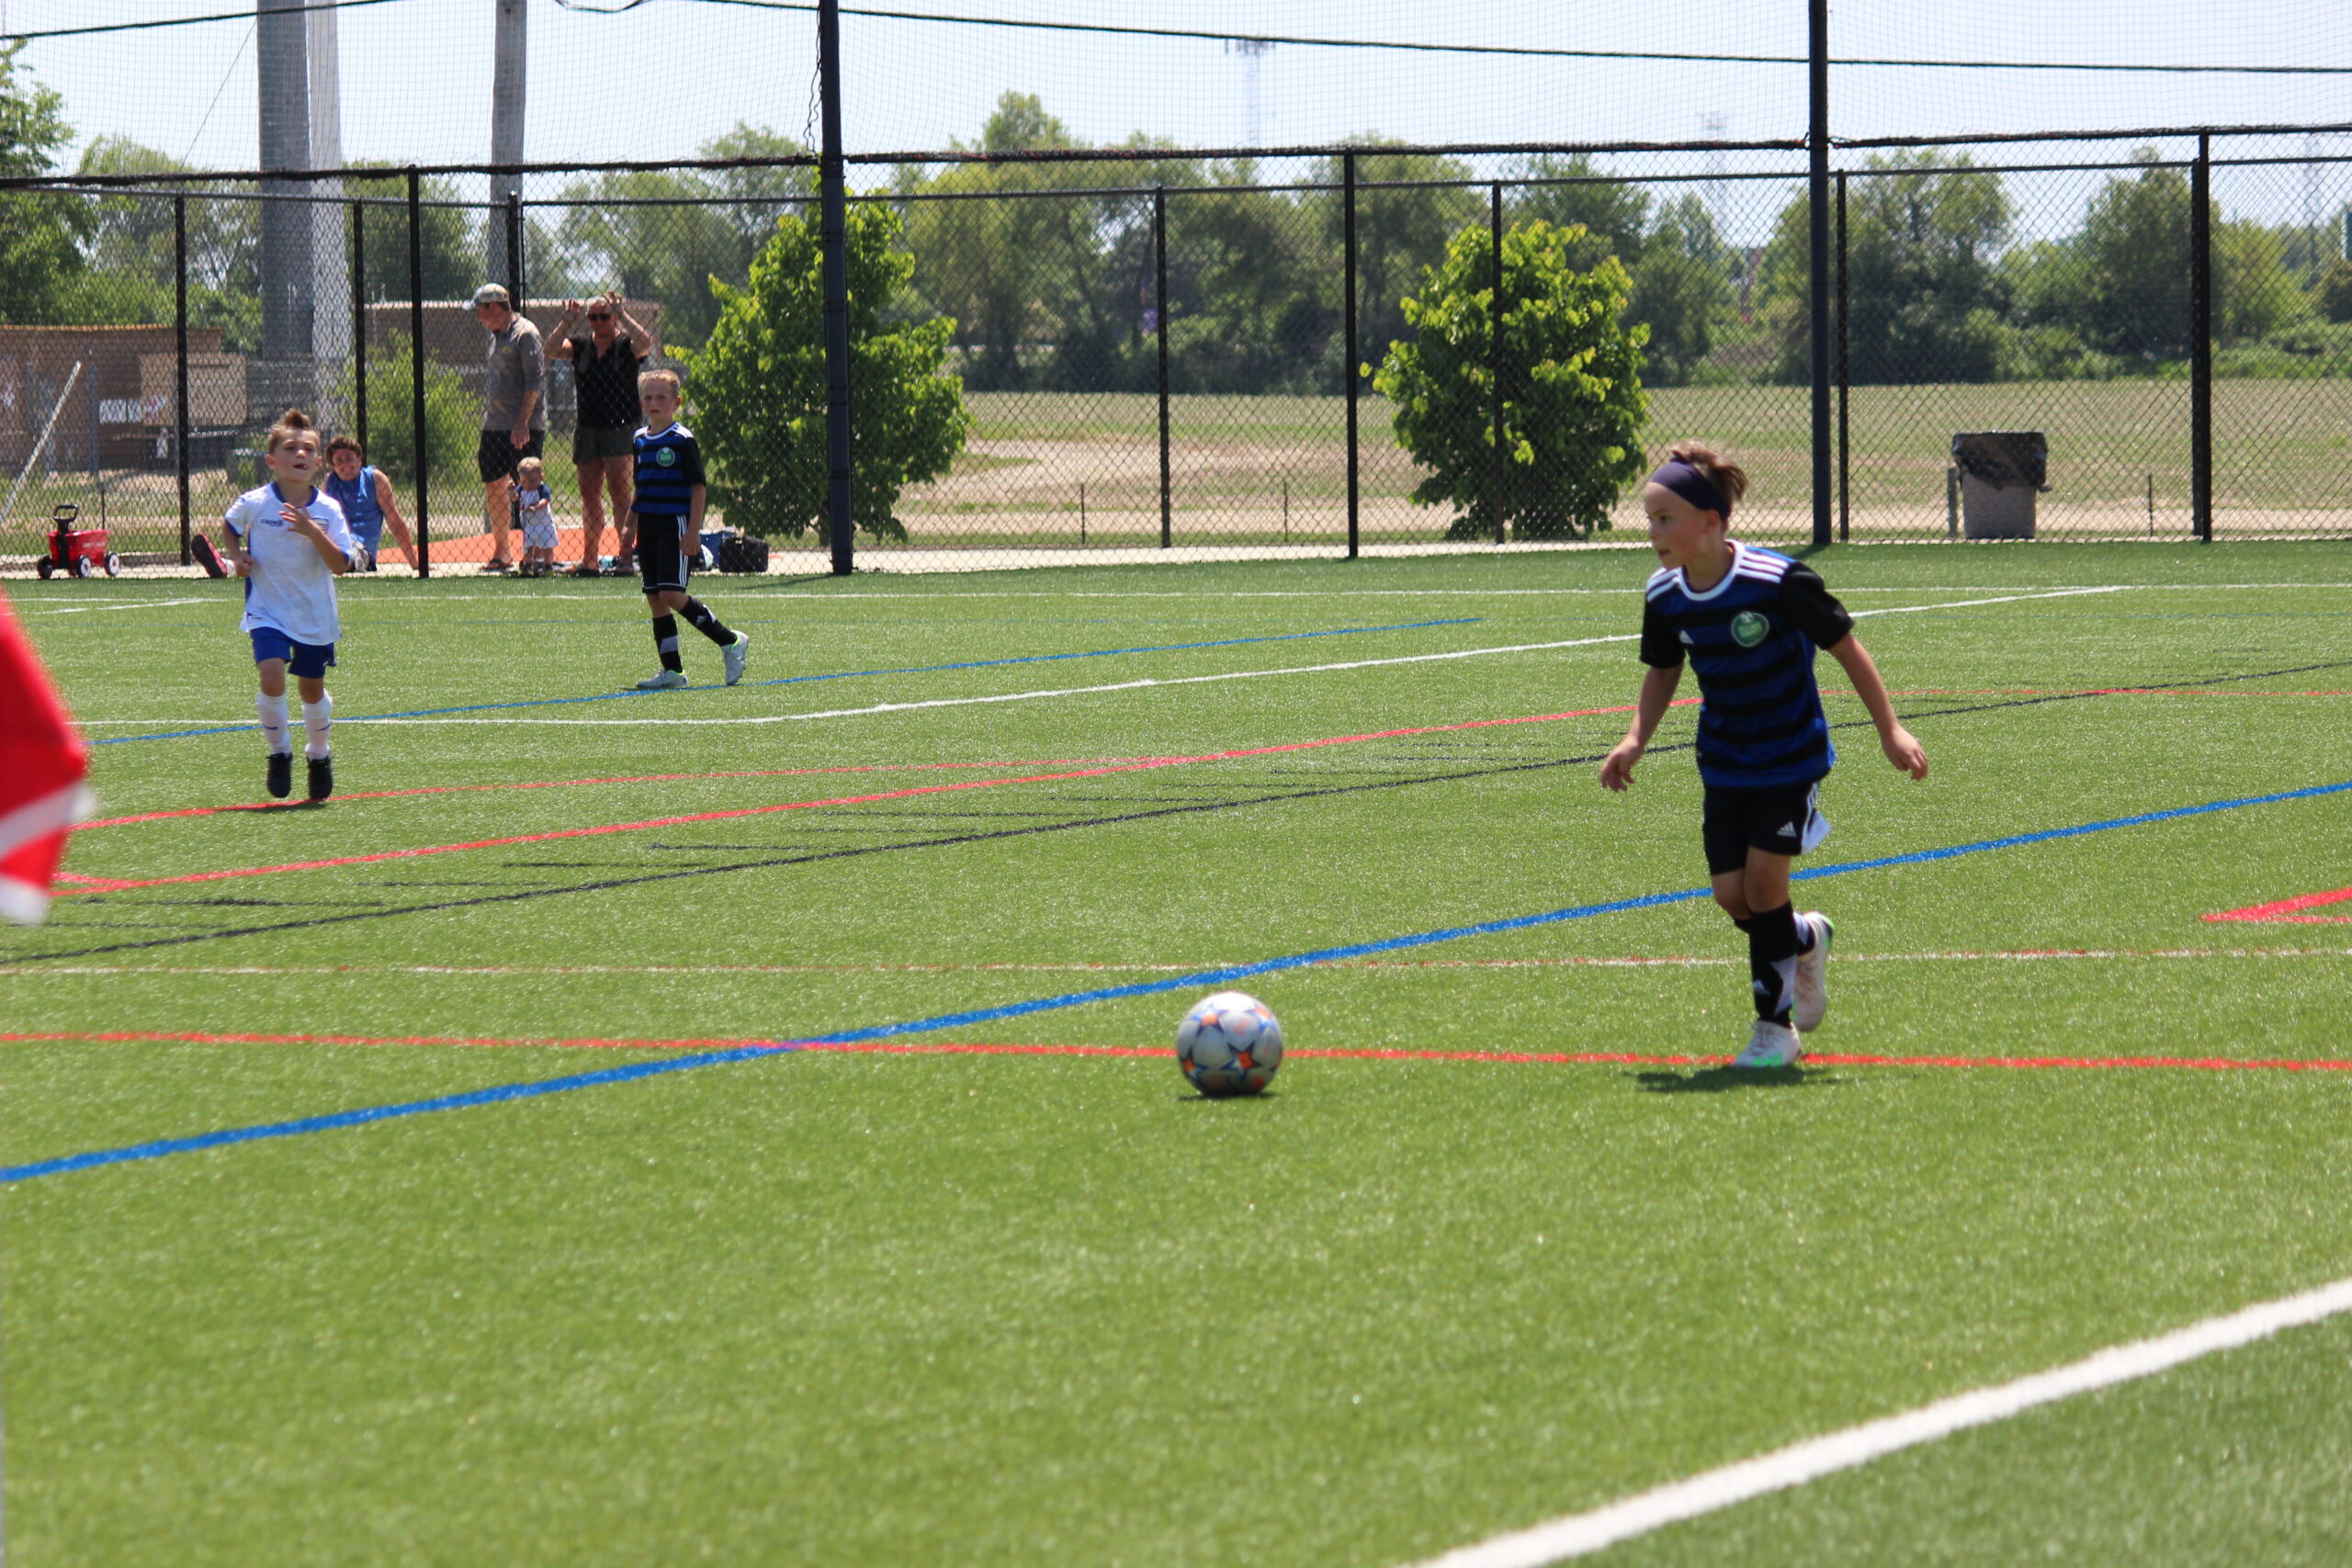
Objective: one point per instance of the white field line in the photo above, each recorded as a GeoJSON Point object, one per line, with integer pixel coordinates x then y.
{"type": "Point", "coordinates": [502, 970]}
{"type": "Point", "coordinates": [121, 604]}
{"type": "Point", "coordinates": [1147, 683]}
{"type": "Point", "coordinates": [819, 595]}
{"type": "Point", "coordinates": [1579, 1534]}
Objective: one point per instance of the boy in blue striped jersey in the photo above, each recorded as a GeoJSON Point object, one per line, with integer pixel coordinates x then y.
{"type": "Point", "coordinates": [1748, 621]}
{"type": "Point", "coordinates": [671, 492]}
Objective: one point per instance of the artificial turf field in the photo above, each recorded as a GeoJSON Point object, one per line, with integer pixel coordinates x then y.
{"type": "Point", "coordinates": [902, 1301]}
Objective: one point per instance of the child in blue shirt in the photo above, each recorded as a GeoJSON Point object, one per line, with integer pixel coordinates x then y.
{"type": "Point", "coordinates": [1748, 621]}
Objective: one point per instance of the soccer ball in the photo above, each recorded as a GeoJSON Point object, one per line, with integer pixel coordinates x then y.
{"type": "Point", "coordinates": [1229, 1043]}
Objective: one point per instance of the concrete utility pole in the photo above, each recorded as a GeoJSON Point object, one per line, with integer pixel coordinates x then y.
{"type": "Point", "coordinates": [281, 55]}
{"type": "Point", "coordinates": [507, 81]}
{"type": "Point", "coordinates": [331, 266]}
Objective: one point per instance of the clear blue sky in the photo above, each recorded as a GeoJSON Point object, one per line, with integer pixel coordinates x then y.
{"type": "Point", "coordinates": [660, 79]}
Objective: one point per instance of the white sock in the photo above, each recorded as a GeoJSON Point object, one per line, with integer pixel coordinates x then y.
{"type": "Point", "coordinates": [318, 717]}
{"type": "Point", "coordinates": [272, 721]}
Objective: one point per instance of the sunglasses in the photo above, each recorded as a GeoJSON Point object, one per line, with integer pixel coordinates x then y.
{"type": "Point", "coordinates": [599, 315]}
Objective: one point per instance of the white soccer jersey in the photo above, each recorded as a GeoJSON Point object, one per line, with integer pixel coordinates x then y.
{"type": "Point", "coordinates": [290, 588]}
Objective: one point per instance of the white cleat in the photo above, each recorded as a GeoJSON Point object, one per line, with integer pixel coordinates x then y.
{"type": "Point", "coordinates": [667, 681]}
{"type": "Point", "coordinates": [1812, 974]}
{"type": "Point", "coordinates": [736, 654]}
{"type": "Point", "coordinates": [1772, 1046]}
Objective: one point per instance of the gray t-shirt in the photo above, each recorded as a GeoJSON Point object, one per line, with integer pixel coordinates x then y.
{"type": "Point", "coordinates": [516, 365]}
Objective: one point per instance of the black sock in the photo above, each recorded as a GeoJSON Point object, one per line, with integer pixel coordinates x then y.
{"type": "Point", "coordinates": [1772, 961]}
{"type": "Point", "coordinates": [705, 623]}
{"type": "Point", "coordinates": [665, 639]}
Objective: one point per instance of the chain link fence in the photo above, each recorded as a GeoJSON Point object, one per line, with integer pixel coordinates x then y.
{"type": "Point", "coordinates": [1163, 357]}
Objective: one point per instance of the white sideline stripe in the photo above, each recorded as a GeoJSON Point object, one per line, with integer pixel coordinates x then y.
{"type": "Point", "coordinates": [123, 605]}
{"type": "Point", "coordinates": [1149, 682]}
{"type": "Point", "coordinates": [1579, 1534]}
{"type": "Point", "coordinates": [390, 596]}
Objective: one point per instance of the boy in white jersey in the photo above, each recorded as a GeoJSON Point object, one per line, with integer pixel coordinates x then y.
{"type": "Point", "coordinates": [290, 542]}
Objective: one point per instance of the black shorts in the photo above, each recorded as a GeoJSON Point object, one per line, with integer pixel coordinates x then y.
{"type": "Point", "coordinates": [1783, 819]}
{"type": "Point", "coordinates": [497, 457]}
{"type": "Point", "coordinates": [662, 563]}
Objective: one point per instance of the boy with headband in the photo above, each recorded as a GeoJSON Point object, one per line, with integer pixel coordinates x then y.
{"type": "Point", "coordinates": [1748, 621]}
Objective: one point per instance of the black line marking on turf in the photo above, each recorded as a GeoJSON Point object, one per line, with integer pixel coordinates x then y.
{"type": "Point", "coordinates": [956, 840]}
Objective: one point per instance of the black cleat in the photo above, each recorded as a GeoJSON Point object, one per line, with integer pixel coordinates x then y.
{"type": "Point", "coordinates": [322, 777]}
{"type": "Point", "coordinates": [281, 774]}
{"type": "Point", "coordinates": [200, 550]}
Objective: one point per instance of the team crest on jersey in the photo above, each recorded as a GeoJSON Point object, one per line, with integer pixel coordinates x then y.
{"type": "Point", "coordinates": [666, 457]}
{"type": "Point", "coordinates": [1749, 628]}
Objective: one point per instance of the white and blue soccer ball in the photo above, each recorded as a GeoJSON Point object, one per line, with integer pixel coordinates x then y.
{"type": "Point", "coordinates": [1229, 1043]}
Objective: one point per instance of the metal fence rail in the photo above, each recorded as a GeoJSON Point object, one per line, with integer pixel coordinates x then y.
{"type": "Point", "coordinates": [1178, 357]}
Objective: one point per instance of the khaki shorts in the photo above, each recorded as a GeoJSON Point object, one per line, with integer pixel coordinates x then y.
{"type": "Point", "coordinates": [593, 444]}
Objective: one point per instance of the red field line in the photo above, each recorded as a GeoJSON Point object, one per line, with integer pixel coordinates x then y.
{"type": "Point", "coordinates": [2287, 912]}
{"type": "Point", "coordinates": [1144, 764]}
{"type": "Point", "coordinates": [974, 1048]}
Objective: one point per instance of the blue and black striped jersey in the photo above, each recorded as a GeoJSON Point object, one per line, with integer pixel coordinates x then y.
{"type": "Point", "coordinates": [668, 465]}
{"type": "Point", "coordinates": [1751, 639]}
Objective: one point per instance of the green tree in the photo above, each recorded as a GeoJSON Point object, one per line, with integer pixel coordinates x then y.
{"type": "Point", "coordinates": [2253, 293]}
{"type": "Point", "coordinates": [2335, 298]}
{"type": "Point", "coordinates": [1260, 302]}
{"type": "Point", "coordinates": [449, 252]}
{"type": "Point", "coordinates": [1922, 278]}
{"type": "Point", "coordinates": [759, 383]}
{"type": "Point", "coordinates": [1048, 292]}
{"type": "Point", "coordinates": [1614, 213]}
{"type": "Point", "coordinates": [2135, 245]}
{"type": "Point", "coordinates": [1400, 233]}
{"type": "Point", "coordinates": [452, 416]}
{"type": "Point", "coordinates": [1572, 399]}
{"type": "Point", "coordinates": [1682, 289]}
{"type": "Point", "coordinates": [130, 248]}
{"type": "Point", "coordinates": [40, 233]}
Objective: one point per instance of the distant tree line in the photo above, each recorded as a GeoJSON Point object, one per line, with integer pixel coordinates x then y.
{"type": "Point", "coordinates": [1057, 292]}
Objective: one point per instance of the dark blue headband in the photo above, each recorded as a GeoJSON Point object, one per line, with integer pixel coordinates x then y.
{"type": "Point", "coordinates": [1693, 486]}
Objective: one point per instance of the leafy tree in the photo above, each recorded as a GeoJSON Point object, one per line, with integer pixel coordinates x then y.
{"type": "Point", "coordinates": [1573, 405]}
{"type": "Point", "coordinates": [1260, 301]}
{"type": "Point", "coordinates": [40, 232]}
{"type": "Point", "coordinates": [1614, 214]}
{"type": "Point", "coordinates": [670, 236]}
{"type": "Point", "coordinates": [452, 415]}
{"type": "Point", "coordinates": [759, 384]}
{"type": "Point", "coordinates": [449, 250]}
{"type": "Point", "coordinates": [1400, 233]}
{"type": "Point", "coordinates": [1922, 280]}
{"type": "Point", "coordinates": [2253, 295]}
{"type": "Point", "coordinates": [131, 250]}
{"type": "Point", "coordinates": [2335, 298]}
{"type": "Point", "coordinates": [1681, 290]}
{"type": "Point", "coordinates": [1069, 275]}
{"type": "Point", "coordinates": [2134, 242]}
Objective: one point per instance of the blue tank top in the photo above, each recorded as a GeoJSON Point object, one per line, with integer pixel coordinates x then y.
{"type": "Point", "coordinates": [360, 508]}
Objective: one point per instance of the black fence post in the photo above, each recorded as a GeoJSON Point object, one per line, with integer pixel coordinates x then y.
{"type": "Point", "coordinates": [2201, 340]}
{"type": "Point", "coordinates": [359, 321]}
{"type": "Point", "coordinates": [1348, 247]}
{"type": "Point", "coordinates": [1817, 234]}
{"type": "Point", "coordinates": [514, 249]}
{"type": "Point", "coordinates": [1159, 320]}
{"type": "Point", "coordinates": [1495, 356]}
{"type": "Point", "coordinates": [833, 237]}
{"type": "Point", "coordinates": [423, 446]}
{"type": "Point", "coordinates": [1845, 374]}
{"type": "Point", "coordinates": [180, 366]}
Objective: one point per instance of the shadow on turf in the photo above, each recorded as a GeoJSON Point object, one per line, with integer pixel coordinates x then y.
{"type": "Point", "coordinates": [1723, 1080]}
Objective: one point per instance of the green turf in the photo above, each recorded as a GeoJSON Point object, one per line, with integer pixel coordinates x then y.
{"type": "Point", "coordinates": [834, 1308]}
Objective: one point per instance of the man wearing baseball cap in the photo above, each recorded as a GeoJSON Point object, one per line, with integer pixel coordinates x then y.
{"type": "Point", "coordinates": [513, 415]}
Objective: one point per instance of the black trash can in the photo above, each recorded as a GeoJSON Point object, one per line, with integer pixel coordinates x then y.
{"type": "Point", "coordinates": [2001, 472]}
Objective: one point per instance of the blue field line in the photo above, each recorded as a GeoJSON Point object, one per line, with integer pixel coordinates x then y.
{"type": "Point", "coordinates": [1209, 978]}
{"type": "Point", "coordinates": [489, 1096]}
{"type": "Point", "coordinates": [836, 676]}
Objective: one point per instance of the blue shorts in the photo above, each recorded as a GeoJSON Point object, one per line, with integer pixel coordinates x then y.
{"type": "Point", "coordinates": [306, 658]}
